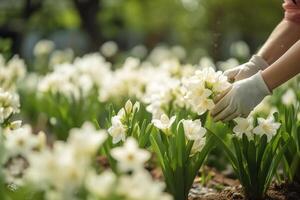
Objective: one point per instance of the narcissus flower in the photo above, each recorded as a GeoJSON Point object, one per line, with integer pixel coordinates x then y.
{"type": "Point", "coordinates": [193, 130]}
{"type": "Point", "coordinates": [164, 123]}
{"type": "Point", "coordinates": [267, 127]}
{"type": "Point", "coordinates": [130, 156]}
{"type": "Point", "coordinates": [243, 126]}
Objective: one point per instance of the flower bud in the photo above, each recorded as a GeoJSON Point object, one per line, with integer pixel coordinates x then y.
{"type": "Point", "coordinates": [128, 106]}
{"type": "Point", "coordinates": [136, 106]}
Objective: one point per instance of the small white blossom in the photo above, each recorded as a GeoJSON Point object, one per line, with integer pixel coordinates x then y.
{"type": "Point", "coordinates": [243, 126]}
{"type": "Point", "coordinates": [193, 130]}
{"type": "Point", "coordinates": [164, 123]}
{"type": "Point", "coordinates": [101, 185]}
{"type": "Point", "coordinates": [267, 127]}
{"type": "Point", "coordinates": [130, 156]}
{"type": "Point", "coordinates": [117, 130]}
{"type": "Point", "coordinates": [128, 106]}
{"type": "Point", "coordinates": [43, 47]}
{"type": "Point", "coordinates": [289, 97]}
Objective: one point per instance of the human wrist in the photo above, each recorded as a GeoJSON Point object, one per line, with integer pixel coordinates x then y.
{"type": "Point", "coordinates": [262, 83]}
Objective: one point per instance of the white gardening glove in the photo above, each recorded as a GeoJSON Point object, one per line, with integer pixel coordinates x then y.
{"type": "Point", "coordinates": [246, 70]}
{"type": "Point", "coordinates": [240, 100]}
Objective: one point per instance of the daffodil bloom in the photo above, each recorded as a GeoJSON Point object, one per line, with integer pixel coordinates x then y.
{"type": "Point", "coordinates": [193, 129]}
{"type": "Point", "coordinates": [164, 123]}
{"type": "Point", "coordinates": [117, 130]}
{"type": "Point", "coordinates": [243, 126]}
{"type": "Point", "coordinates": [130, 156]}
{"type": "Point", "coordinates": [289, 97]}
{"type": "Point", "coordinates": [100, 185]}
{"type": "Point", "coordinates": [267, 127]}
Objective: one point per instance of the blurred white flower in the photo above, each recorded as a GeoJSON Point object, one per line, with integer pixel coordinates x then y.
{"type": "Point", "coordinates": [198, 145]}
{"type": "Point", "coordinates": [101, 186]}
{"type": "Point", "coordinates": [267, 127]}
{"type": "Point", "coordinates": [131, 188]}
{"type": "Point", "coordinates": [12, 72]}
{"type": "Point", "coordinates": [9, 104]}
{"type": "Point", "coordinates": [289, 97]}
{"type": "Point", "coordinates": [243, 126]}
{"type": "Point", "coordinates": [206, 62]}
{"type": "Point", "coordinates": [43, 47]}
{"type": "Point", "coordinates": [109, 48]}
{"type": "Point", "coordinates": [15, 124]}
{"type": "Point", "coordinates": [179, 52]}
{"type": "Point", "coordinates": [164, 122]}
{"type": "Point", "coordinates": [139, 51]}
{"type": "Point", "coordinates": [228, 64]}
{"type": "Point", "coordinates": [22, 141]}
{"type": "Point", "coordinates": [130, 156]}
{"type": "Point", "coordinates": [86, 140]}
{"type": "Point", "coordinates": [193, 130]}
{"type": "Point", "coordinates": [240, 49]}
{"type": "Point", "coordinates": [61, 56]}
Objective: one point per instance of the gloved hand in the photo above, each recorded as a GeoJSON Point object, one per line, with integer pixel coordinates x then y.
{"type": "Point", "coordinates": [246, 70]}
{"type": "Point", "coordinates": [240, 100]}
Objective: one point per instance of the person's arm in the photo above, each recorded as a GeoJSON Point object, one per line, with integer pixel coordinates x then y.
{"type": "Point", "coordinates": [282, 38]}
{"type": "Point", "coordinates": [285, 68]}
{"type": "Point", "coordinates": [245, 94]}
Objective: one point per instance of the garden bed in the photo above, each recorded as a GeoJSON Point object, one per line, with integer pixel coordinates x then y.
{"type": "Point", "coordinates": [232, 189]}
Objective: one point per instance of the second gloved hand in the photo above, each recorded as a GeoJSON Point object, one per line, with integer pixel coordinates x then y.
{"type": "Point", "coordinates": [240, 100]}
{"type": "Point", "coordinates": [246, 70]}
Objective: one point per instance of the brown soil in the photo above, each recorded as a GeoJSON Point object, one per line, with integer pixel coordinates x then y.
{"type": "Point", "coordinates": [232, 190]}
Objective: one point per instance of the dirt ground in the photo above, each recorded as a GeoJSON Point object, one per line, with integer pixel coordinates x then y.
{"type": "Point", "coordinates": [231, 190]}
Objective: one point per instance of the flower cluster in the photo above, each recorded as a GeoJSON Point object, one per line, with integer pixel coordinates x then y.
{"type": "Point", "coordinates": [11, 72]}
{"type": "Point", "coordinates": [202, 87]}
{"type": "Point", "coordinates": [66, 164]}
{"type": "Point", "coordinates": [9, 104]}
{"type": "Point", "coordinates": [266, 127]}
{"type": "Point", "coordinates": [19, 145]}
{"type": "Point", "coordinates": [127, 186]}
{"type": "Point", "coordinates": [119, 122]}
{"type": "Point", "coordinates": [78, 79]}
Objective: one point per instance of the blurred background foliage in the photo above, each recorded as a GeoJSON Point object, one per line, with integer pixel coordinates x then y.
{"type": "Point", "coordinates": [203, 27]}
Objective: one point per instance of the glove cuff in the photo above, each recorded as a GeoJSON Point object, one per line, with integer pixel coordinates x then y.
{"type": "Point", "coordinates": [259, 62]}
{"type": "Point", "coordinates": [261, 84]}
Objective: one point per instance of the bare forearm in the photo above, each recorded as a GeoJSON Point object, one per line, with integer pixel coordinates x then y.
{"type": "Point", "coordinates": [282, 38]}
{"type": "Point", "coordinates": [285, 68]}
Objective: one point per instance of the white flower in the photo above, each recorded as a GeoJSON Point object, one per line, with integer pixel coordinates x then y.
{"type": "Point", "coordinates": [136, 106]}
{"type": "Point", "coordinates": [101, 185]}
{"type": "Point", "coordinates": [21, 141]}
{"type": "Point", "coordinates": [117, 130]}
{"type": "Point", "coordinates": [109, 48]}
{"type": "Point", "coordinates": [43, 47]}
{"type": "Point", "coordinates": [201, 87]}
{"type": "Point", "coordinates": [240, 49]}
{"type": "Point", "coordinates": [86, 140]}
{"type": "Point", "coordinates": [193, 129]}
{"type": "Point", "coordinates": [128, 106]}
{"type": "Point", "coordinates": [267, 127]}
{"type": "Point", "coordinates": [289, 97]}
{"type": "Point", "coordinates": [130, 156]}
{"type": "Point", "coordinates": [243, 126]}
{"type": "Point", "coordinates": [164, 123]}
{"type": "Point", "coordinates": [15, 124]}
{"type": "Point", "coordinates": [131, 187]}
{"type": "Point", "coordinates": [9, 104]}
{"type": "Point", "coordinates": [198, 145]}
